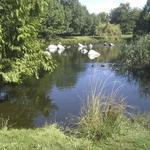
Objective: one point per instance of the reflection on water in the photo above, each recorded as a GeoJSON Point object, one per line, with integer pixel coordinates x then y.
{"type": "Point", "coordinates": [60, 95]}
{"type": "Point", "coordinates": [24, 103]}
{"type": "Point", "coordinates": [139, 77]}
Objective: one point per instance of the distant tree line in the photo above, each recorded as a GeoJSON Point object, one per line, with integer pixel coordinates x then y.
{"type": "Point", "coordinates": [132, 20]}
{"type": "Point", "coordinates": [69, 17]}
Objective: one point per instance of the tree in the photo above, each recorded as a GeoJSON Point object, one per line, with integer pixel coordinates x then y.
{"type": "Point", "coordinates": [103, 17]}
{"type": "Point", "coordinates": [78, 19]}
{"type": "Point", "coordinates": [53, 20]}
{"type": "Point", "coordinates": [143, 23]}
{"type": "Point", "coordinates": [72, 15]}
{"type": "Point", "coordinates": [108, 31]}
{"type": "Point", "coordinates": [21, 53]}
{"type": "Point", "coordinates": [95, 22]}
{"type": "Point", "coordinates": [125, 16]}
{"type": "Point", "coordinates": [87, 22]}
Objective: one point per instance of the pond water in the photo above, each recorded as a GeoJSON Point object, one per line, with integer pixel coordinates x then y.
{"type": "Point", "coordinates": [59, 96]}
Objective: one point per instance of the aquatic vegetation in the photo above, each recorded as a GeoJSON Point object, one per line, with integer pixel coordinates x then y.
{"type": "Point", "coordinates": [136, 54]}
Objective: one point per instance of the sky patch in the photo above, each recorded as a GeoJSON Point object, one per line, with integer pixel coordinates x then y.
{"type": "Point", "coordinates": [97, 6]}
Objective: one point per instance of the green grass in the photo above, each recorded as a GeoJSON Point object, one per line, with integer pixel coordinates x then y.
{"type": "Point", "coordinates": [47, 138]}
{"type": "Point", "coordinates": [131, 137]}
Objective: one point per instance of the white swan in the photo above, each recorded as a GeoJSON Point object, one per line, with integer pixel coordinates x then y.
{"type": "Point", "coordinates": [84, 51]}
{"type": "Point", "coordinates": [111, 44]}
{"type": "Point", "coordinates": [61, 48]}
{"type": "Point", "coordinates": [105, 44]}
{"type": "Point", "coordinates": [81, 46]}
{"type": "Point", "coordinates": [92, 54]}
{"type": "Point", "coordinates": [90, 46]}
{"type": "Point", "coordinates": [52, 48]}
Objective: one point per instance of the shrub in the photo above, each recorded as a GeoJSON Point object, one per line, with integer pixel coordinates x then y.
{"type": "Point", "coordinates": [137, 53]}
{"type": "Point", "coordinates": [15, 71]}
{"type": "Point", "coordinates": [109, 32]}
{"type": "Point", "coordinates": [20, 50]}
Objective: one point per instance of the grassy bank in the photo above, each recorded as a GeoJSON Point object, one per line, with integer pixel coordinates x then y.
{"type": "Point", "coordinates": [70, 40]}
{"type": "Point", "coordinates": [47, 138]}
{"type": "Point", "coordinates": [131, 137]}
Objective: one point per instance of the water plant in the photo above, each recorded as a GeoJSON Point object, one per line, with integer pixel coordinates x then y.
{"type": "Point", "coordinates": [136, 55]}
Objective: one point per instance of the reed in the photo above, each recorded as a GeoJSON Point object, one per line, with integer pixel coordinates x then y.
{"type": "Point", "coordinates": [102, 114]}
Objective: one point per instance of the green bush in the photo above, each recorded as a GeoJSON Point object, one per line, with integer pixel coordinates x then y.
{"type": "Point", "coordinates": [15, 71]}
{"type": "Point", "coordinates": [109, 32]}
{"type": "Point", "coordinates": [137, 53]}
{"type": "Point", "coordinates": [20, 50]}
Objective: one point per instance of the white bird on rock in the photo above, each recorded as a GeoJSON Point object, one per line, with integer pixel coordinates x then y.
{"type": "Point", "coordinates": [61, 48]}
{"type": "Point", "coordinates": [90, 46]}
{"type": "Point", "coordinates": [92, 54]}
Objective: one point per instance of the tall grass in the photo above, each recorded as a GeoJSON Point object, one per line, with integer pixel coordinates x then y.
{"type": "Point", "coordinates": [3, 123]}
{"type": "Point", "coordinates": [100, 120]}
{"type": "Point", "coordinates": [103, 112]}
{"type": "Point", "coordinates": [101, 116]}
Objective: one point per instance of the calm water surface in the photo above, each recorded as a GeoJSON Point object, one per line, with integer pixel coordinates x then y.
{"type": "Point", "coordinates": [60, 95]}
